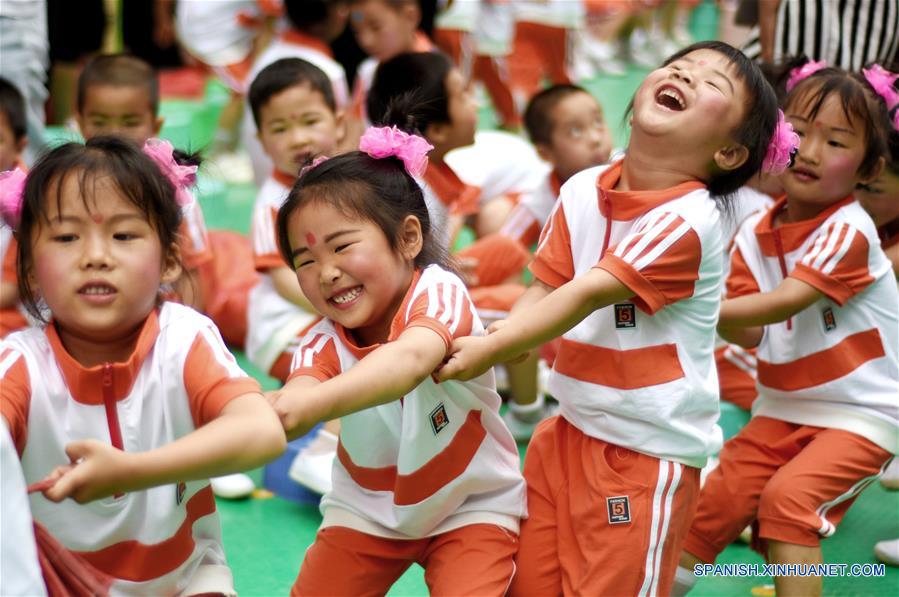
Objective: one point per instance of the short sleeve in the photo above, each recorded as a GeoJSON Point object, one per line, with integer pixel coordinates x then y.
{"type": "Point", "coordinates": [740, 281]}
{"type": "Point", "coordinates": [836, 263]}
{"type": "Point", "coordinates": [212, 377]}
{"type": "Point", "coordinates": [553, 263]}
{"type": "Point", "coordinates": [15, 395]}
{"type": "Point", "coordinates": [522, 225]}
{"type": "Point", "coordinates": [265, 239]}
{"type": "Point", "coordinates": [316, 357]}
{"type": "Point", "coordinates": [659, 261]}
{"type": "Point", "coordinates": [445, 308]}
{"type": "Point", "coordinates": [194, 241]}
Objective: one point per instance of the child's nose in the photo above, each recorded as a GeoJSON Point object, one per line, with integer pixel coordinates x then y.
{"type": "Point", "coordinates": [95, 254]}
{"type": "Point", "coordinates": [685, 75]}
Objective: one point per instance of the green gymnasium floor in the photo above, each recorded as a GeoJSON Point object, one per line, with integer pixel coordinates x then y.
{"type": "Point", "coordinates": [266, 537]}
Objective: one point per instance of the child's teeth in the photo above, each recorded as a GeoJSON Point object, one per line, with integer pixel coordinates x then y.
{"type": "Point", "coordinates": [347, 296]}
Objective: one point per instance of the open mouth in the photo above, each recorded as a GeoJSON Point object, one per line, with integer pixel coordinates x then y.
{"type": "Point", "coordinates": [670, 98]}
{"type": "Point", "coordinates": [95, 291]}
{"type": "Point", "coordinates": [346, 296]}
{"type": "Point", "coordinates": [804, 174]}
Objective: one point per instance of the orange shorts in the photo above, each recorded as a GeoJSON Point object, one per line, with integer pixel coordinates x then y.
{"type": "Point", "coordinates": [602, 519]}
{"type": "Point", "coordinates": [539, 51]}
{"type": "Point", "coordinates": [471, 560]}
{"type": "Point", "coordinates": [736, 375]}
{"type": "Point", "coordinates": [797, 480]}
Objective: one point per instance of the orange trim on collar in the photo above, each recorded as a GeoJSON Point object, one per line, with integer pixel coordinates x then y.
{"type": "Point", "coordinates": [422, 42]}
{"type": "Point", "coordinates": [285, 179]}
{"type": "Point", "coordinates": [85, 383]}
{"type": "Point", "coordinates": [396, 326]}
{"type": "Point", "coordinates": [629, 205]}
{"type": "Point", "coordinates": [292, 36]}
{"type": "Point", "coordinates": [792, 234]}
{"type": "Point", "coordinates": [460, 198]}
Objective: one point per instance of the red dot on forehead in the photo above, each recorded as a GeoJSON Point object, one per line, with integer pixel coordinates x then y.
{"type": "Point", "coordinates": [97, 218]}
{"type": "Point", "coordinates": [702, 63]}
{"type": "Point", "coordinates": [310, 239]}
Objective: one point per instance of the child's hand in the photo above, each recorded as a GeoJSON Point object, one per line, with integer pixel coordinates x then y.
{"type": "Point", "coordinates": [290, 408]}
{"type": "Point", "coordinates": [97, 471]}
{"type": "Point", "coordinates": [468, 358]}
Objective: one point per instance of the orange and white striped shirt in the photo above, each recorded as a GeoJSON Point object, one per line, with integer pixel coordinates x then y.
{"type": "Point", "coordinates": [835, 363]}
{"type": "Point", "coordinates": [532, 212]}
{"type": "Point", "coordinates": [178, 378]}
{"type": "Point", "coordinates": [639, 374]}
{"type": "Point", "coordinates": [434, 460]}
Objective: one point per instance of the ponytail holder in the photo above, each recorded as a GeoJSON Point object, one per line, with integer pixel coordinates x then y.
{"type": "Point", "coordinates": [882, 81]}
{"type": "Point", "coordinates": [803, 72]}
{"type": "Point", "coordinates": [12, 194]}
{"type": "Point", "coordinates": [782, 148]}
{"type": "Point", "coordinates": [182, 177]}
{"type": "Point", "coordinates": [412, 150]}
{"type": "Point", "coordinates": [313, 164]}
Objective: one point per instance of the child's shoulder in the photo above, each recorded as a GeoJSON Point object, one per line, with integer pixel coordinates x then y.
{"type": "Point", "coordinates": [179, 322]}
{"type": "Point", "coordinates": [272, 192]}
{"type": "Point", "coordinates": [853, 214]}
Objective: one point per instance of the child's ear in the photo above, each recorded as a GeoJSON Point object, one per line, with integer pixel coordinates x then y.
{"type": "Point", "coordinates": [875, 172]}
{"type": "Point", "coordinates": [411, 239]}
{"type": "Point", "coordinates": [157, 125]}
{"type": "Point", "coordinates": [79, 119]}
{"type": "Point", "coordinates": [21, 144]}
{"type": "Point", "coordinates": [412, 13]}
{"type": "Point", "coordinates": [437, 133]}
{"type": "Point", "coordinates": [545, 152]}
{"type": "Point", "coordinates": [731, 157]}
{"type": "Point", "coordinates": [171, 264]}
{"type": "Point", "coordinates": [340, 121]}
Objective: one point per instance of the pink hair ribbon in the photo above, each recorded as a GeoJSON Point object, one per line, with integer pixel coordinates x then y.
{"type": "Point", "coordinates": [883, 81]}
{"type": "Point", "coordinates": [182, 177]}
{"type": "Point", "coordinates": [313, 164]}
{"type": "Point", "coordinates": [12, 196]}
{"type": "Point", "coordinates": [803, 72]}
{"type": "Point", "coordinates": [783, 146]}
{"type": "Point", "coordinates": [383, 142]}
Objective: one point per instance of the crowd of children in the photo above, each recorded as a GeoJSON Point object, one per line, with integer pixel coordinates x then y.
{"type": "Point", "coordinates": [742, 246]}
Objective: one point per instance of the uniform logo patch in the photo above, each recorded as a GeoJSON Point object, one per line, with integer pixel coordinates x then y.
{"type": "Point", "coordinates": [439, 420]}
{"type": "Point", "coordinates": [180, 490]}
{"type": "Point", "coordinates": [625, 316]}
{"type": "Point", "coordinates": [830, 322]}
{"type": "Point", "coordinates": [619, 509]}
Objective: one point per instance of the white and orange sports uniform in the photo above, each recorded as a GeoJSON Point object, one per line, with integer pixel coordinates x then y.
{"type": "Point", "coordinates": [412, 474]}
{"type": "Point", "coordinates": [274, 324]}
{"type": "Point", "coordinates": [290, 44]}
{"type": "Point", "coordinates": [11, 318]}
{"type": "Point", "coordinates": [164, 540]}
{"type": "Point", "coordinates": [826, 421]}
{"type": "Point", "coordinates": [613, 481]}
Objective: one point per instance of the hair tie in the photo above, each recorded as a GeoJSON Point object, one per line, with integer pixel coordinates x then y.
{"type": "Point", "coordinates": [803, 72]}
{"type": "Point", "coordinates": [313, 164]}
{"type": "Point", "coordinates": [382, 142]}
{"type": "Point", "coordinates": [182, 177]}
{"type": "Point", "coordinates": [782, 148]}
{"type": "Point", "coordinates": [12, 195]}
{"type": "Point", "coordinates": [882, 81]}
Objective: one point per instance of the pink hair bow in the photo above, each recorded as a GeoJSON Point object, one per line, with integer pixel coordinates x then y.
{"type": "Point", "coordinates": [882, 81]}
{"type": "Point", "coordinates": [803, 72]}
{"type": "Point", "coordinates": [382, 142]}
{"type": "Point", "coordinates": [182, 177]}
{"type": "Point", "coordinates": [313, 164]}
{"type": "Point", "coordinates": [12, 193]}
{"type": "Point", "coordinates": [783, 146]}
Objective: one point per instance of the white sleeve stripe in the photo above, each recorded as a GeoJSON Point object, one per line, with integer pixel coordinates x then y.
{"type": "Point", "coordinates": [433, 302]}
{"type": "Point", "coordinates": [645, 238]}
{"type": "Point", "coordinates": [828, 249]}
{"type": "Point", "coordinates": [8, 361]}
{"type": "Point", "coordinates": [627, 243]}
{"type": "Point", "coordinates": [841, 252]}
{"type": "Point", "coordinates": [457, 311]}
{"type": "Point", "coordinates": [221, 354]}
{"type": "Point", "coordinates": [305, 355]}
{"type": "Point", "coordinates": [548, 230]}
{"type": "Point", "coordinates": [663, 246]}
{"type": "Point", "coordinates": [448, 297]}
{"type": "Point", "coordinates": [518, 223]}
{"type": "Point", "coordinates": [816, 248]}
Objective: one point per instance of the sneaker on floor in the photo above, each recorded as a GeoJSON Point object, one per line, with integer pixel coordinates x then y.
{"type": "Point", "coordinates": [888, 552]}
{"type": "Point", "coordinates": [522, 421]}
{"type": "Point", "coordinates": [311, 467]}
{"type": "Point", "coordinates": [232, 487]}
{"type": "Point", "coordinates": [890, 477]}
{"type": "Point", "coordinates": [746, 535]}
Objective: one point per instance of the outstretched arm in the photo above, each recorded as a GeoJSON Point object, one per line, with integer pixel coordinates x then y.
{"type": "Point", "coordinates": [789, 298]}
{"type": "Point", "coordinates": [548, 318]}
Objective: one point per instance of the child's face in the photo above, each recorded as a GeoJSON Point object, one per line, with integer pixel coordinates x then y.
{"type": "Point", "coordinates": [122, 110]}
{"type": "Point", "coordinates": [297, 125]}
{"type": "Point", "coordinates": [831, 150]}
{"type": "Point", "coordinates": [881, 198]}
{"type": "Point", "coordinates": [10, 148]}
{"type": "Point", "coordinates": [463, 115]}
{"type": "Point", "coordinates": [383, 30]}
{"type": "Point", "coordinates": [98, 269]}
{"type": "Point", "coordinates": [347, 269]}
{"type": "Point", "coordinates": [580, 138]}
{"type": "Point", "coordinates": [693, 106]}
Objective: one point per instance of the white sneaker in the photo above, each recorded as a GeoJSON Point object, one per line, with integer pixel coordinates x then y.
{"type": "Point", "coordinates": [311, 467]}
{"type": "Point", "coordinates": [232, 487]}
{"type": "Point", "coordinates": [890, 477]}
{"type": "Point", "coordinates": [888, 552]}
{"type": "Point", "coordinates": [522, 421]}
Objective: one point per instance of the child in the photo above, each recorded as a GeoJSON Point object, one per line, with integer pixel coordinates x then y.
{"type": "Point", "coordinates": [13, 140]}
{"type": "Point", "coordinates": [630, 263]}
{"type": "Point", "coordinates": [425, 473]}
{"type": "Point", "coordinates": [140, 396]}
{"type": "Point", "coordinates": [313, 24]}
{"type": "Point", "coordinates": [810, 286]}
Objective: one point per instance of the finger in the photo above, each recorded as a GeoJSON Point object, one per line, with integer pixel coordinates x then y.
{"type": "Point", "coordinates": [77, 450]}
{"type": "Point", "coordinates": [64, 487]}
{"type": "Point", "coordinates": [41, 486]}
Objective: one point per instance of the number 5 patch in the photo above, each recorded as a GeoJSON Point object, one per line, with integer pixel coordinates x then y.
{"type": "Point", "coordinates": [619, 509]}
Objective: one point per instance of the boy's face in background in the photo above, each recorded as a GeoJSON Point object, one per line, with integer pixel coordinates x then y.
{"type": "Point", "coordinates": [10, 147]}
{"type": "Point", "coordinates": [384, 30]}
{"type": "Point", "coordinates": [296, 126]}
{"type": "Point", "coordinates": [121, 110]}
{"type": "Point", "coordinates": [580, 137]}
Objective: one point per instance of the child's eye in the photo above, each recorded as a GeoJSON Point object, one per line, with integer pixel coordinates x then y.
{"type": "Point", "coordinates": [298, 264]}
{"type": "Point", "coordinates": [835, 144]}
{"type": "Point", "coordinates": [340, 248]}
{"type": "Point", "coordinates": [124, 236]}
{"type": "Point", "coordinates": [713, 85]}
{"type": "Point", "coordinates": [65, 238]}
{"type": "Point", "coordinates": [576, 131]}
